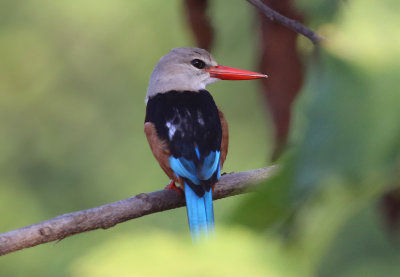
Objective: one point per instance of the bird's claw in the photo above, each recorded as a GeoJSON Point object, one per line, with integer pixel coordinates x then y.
{"type": "Point", "coordinates": [172, 186]}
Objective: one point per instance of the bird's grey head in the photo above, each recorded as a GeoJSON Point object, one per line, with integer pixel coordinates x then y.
{"type": "Point", "coordinates": [181, 69]}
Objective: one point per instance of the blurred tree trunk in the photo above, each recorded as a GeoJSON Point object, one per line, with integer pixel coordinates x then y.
{"type": "Point", "coordinates": [196, 14]}
{"type": "Point", "coordinates": [390, 205]}
{"type": "Point", "coordinates": [280, 59]}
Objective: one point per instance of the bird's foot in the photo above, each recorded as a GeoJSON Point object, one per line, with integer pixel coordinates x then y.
{"type": "Point", "coordinates": [174, 187]}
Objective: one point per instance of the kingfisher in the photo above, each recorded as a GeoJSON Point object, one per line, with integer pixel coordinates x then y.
{"type": "Point", "coordinates": [186, 131]}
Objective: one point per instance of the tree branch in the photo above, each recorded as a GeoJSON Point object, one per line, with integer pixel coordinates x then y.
{"type": "Point", "coordinates": [287, 22]}
{"type": "Point", "coordinates": [109, 215]}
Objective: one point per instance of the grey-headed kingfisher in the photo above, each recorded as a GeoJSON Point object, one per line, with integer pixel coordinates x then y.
{"type": "Point", "coordinates": [187, 133]}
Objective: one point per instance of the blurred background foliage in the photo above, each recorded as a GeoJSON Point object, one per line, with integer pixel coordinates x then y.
{"type": "Point", "coordinates": [73, 76]}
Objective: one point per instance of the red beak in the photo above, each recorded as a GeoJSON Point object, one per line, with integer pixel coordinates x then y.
{"type": "Point", "coordinates": [230, 73]}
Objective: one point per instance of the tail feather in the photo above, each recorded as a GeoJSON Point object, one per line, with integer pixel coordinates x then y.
{"type": "Point", "coordinates": [209, 211]}
{"type": "Point", "coordinates": [200, 214]}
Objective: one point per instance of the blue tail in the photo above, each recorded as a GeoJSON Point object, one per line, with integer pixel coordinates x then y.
{"type": "Point", "coordinates": [200, 214]}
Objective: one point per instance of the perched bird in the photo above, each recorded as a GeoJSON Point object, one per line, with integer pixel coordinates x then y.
{"type": "Point", "coordinates": [187, 133]}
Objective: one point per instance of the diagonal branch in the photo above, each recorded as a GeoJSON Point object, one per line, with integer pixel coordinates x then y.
{"type": "Point", "coordinates": [109, 215]}
{"type": "Point", "coordinates": [287, 22]}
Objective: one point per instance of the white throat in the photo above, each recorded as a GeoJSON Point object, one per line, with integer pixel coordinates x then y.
{"type": "Point", "coordinates": [179, 81]}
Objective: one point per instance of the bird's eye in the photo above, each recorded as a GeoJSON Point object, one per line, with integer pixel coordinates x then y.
{"type": "Point", "coordinates": [198, 63]}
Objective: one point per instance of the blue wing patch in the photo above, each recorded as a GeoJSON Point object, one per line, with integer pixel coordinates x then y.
{"type": "Point", "coordinates": [184, 168]}
{"type": "Point", "coordinates": [210, 165]}
{"type": "Point", "coordinates": [187, 169]}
